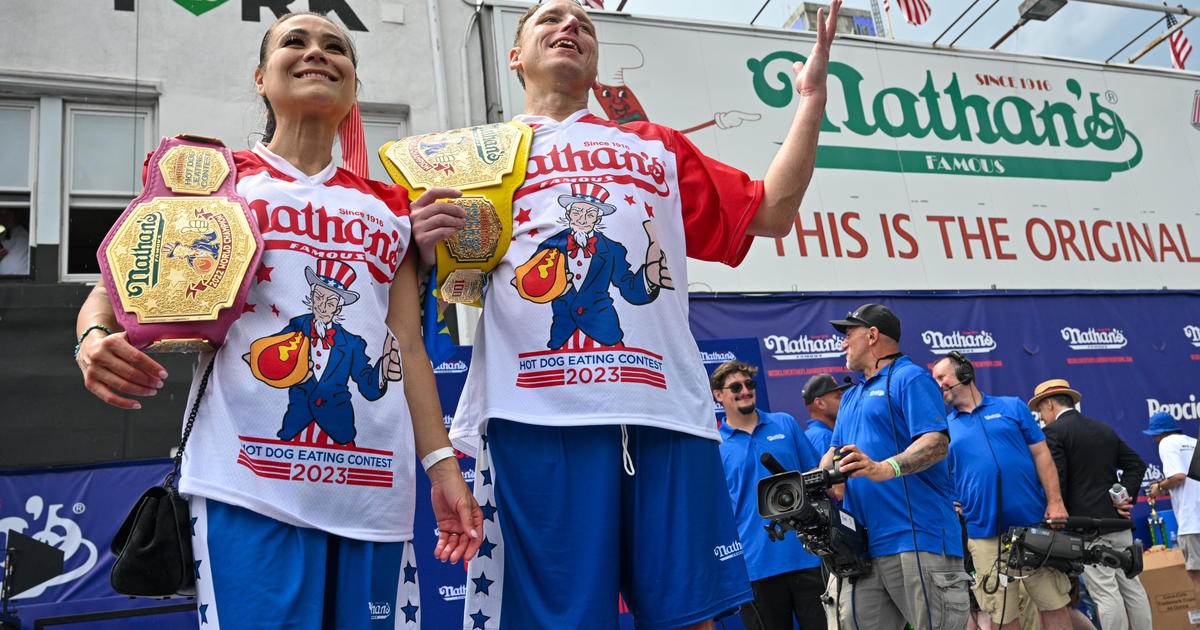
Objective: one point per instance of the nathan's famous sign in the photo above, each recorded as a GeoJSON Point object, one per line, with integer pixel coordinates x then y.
{"type": "Point", "coordinates": [939, 108]}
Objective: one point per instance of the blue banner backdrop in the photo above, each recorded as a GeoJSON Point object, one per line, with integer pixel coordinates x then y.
{"type": "Point", "coordinates": [1130, 354]}
{"type": "Point", "coordinates": [78, 509]}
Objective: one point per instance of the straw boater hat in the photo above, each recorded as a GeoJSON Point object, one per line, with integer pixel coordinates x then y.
{"type": "Point", "coordinates": [1053, 387]}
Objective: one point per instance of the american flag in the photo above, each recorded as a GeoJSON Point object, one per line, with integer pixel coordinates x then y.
{"type": "Point", "coordinates": [594, 4]}
{"type": "Point", "coordinates": [915, 11]}
{"type": "Point", "coordinates": [1180, 46]}
{"type": "Point", "coordinates": [354, 143]}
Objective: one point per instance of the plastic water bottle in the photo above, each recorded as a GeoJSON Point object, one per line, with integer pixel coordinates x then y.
{"type": "Point", "coordinates": [1118, 493]}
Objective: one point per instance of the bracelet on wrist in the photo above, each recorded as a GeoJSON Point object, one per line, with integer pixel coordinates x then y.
{"type": "Point", "coordinates": [436, 456]}
{"type": "Point", "coordinates": [895, 466]}
{"type": "Point", "coordinates": [88, 332]}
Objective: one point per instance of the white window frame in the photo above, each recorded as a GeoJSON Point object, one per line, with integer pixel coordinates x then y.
{"type": "Point", "coordinates": [25, 197]}
{"type": "Point", "coordinates": [380, 114]}
{"type": "Point", "coordinates": [84, 200]}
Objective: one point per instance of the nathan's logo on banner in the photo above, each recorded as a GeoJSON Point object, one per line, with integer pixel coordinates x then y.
{"type": "Point", "coordinates": [251, 9]}
{"type": "Point", "coordinates": [938, 111]}
{"type": "Point", "coordinates": [453, 593]}
{"type": "Point", "coordinates": [717, 357]}
{"type": "Point", "coordinates": [1193, 334]}
{"type": "Point", "coordinates": [1187, 410]}
{"type": "Point", "coordinates": [725, 552]}
{"type": "Point", "coordinates": [380, 610]}
{"type": "Point", "coordinates": [804, 347]}
{"type": "Point", "coordinates": [79, 553]}
{"type": "Point", "coordinates": [455, 366]}
{"type": "Point", "coordinates": [1094, 338]}
{"type": "Point", "coordinates": [965, 342]}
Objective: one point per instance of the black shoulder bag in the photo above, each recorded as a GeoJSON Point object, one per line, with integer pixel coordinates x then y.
{"type": "Point", "coordinates": [154, 545]}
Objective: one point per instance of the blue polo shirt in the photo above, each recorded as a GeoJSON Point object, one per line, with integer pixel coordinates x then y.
{"type": "Point", "coordinates": [1008, 425]}
{"type": "Point", "coordinates": [864, 420]}
{"type": "Point", "coordinates": [819, 434]}
{"type": "Point", "coordinates": [779, 435]}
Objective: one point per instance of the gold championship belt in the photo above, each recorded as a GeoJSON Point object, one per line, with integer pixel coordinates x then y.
{"type": "Point", "coordinates": [176, 263]}
{"type": "Point", "coordinates": [487, 163]}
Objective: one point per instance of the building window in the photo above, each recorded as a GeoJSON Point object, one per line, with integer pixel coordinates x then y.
{"type": "Point", "coordinates": [378, 130]}
{"type": "Point", "coordinates": [103, 152]}
{"type": "Point", "coordinates": [18, 141]}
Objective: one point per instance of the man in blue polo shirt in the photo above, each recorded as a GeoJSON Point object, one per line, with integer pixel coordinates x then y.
{"type": "Point", "coordinates": [891, 440]}
{"type": "Point", "coordinates": [1004, 475]}
{"type": "Point", "coordinates": [786, 579]}
{"type": "Point", "coordinates": [822, 395]}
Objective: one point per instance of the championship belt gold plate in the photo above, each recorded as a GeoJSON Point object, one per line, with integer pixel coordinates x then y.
{"type": "Point", "coordinates": [487, 163]}
{"type": "Point", "coordinates": [177, 263]}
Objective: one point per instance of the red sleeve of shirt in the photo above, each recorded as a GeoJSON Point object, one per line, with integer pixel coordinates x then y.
{"type": "Point", "coordinates": [718, 202]}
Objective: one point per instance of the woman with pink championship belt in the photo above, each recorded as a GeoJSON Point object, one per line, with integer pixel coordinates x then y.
{"type": "Point", "coordinates": [300, 467]}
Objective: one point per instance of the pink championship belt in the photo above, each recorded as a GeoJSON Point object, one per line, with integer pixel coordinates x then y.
{"type": "Point", "coordinates": [179, 261]}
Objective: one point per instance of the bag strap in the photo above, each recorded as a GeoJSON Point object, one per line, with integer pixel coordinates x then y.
{"type": "Point", "coordinates": [187, 430]}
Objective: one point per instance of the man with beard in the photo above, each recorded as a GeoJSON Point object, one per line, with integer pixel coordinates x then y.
{"type": "Point", "coordinates": [786, 579]}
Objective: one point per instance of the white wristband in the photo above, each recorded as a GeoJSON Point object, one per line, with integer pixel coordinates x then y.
{"type": "Point", "coordinates": [436, 456]}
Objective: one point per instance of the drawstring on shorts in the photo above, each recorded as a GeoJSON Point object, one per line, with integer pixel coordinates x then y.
{"type": "Point", "coordinates": [626, 459]}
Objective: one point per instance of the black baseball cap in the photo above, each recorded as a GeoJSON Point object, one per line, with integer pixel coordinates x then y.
{"type": "Point", "coordinates": [868, 315]}
{"type": "Point", "coordinates": [820, 385]}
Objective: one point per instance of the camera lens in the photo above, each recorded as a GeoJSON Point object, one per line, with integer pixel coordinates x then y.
{"type": "Point", "coordinates": [785, 499]}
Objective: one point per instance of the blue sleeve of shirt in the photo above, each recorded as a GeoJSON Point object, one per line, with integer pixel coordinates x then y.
{"type": "Point", "coordinates": [922, 403]}
{"type": "Point", "coordinates": [1029, 427]}
{"type": "Point", "coordinates": [804, 448]}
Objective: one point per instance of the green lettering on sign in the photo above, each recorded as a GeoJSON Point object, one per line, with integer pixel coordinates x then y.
{"type": "Point", "coordinates": [949, 115]}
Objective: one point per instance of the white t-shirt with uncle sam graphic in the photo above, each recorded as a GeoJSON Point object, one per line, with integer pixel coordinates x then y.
{"type": "Point", "coordinates": [579, 325]}
{"type": "Point", "coordinates": [298, 422]}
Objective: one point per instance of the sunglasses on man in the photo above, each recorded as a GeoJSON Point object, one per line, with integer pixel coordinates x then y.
{"type": "Point", "coordinates": [736, 388]}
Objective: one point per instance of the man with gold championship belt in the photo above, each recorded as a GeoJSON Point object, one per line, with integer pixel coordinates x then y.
{"type": "Point", "coordinates": [487, 163]}
{"type": "Point", "coordinates": [176, 262]}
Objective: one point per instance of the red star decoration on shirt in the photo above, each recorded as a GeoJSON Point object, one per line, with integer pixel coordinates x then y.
{"type": "Point", "coordinates": [275, 310]}
{"type": "Point", "coordinates": [248, 308]}
{"type": "Point", "coordinates": [533, 233]}
{"type": "Point", "coordinates": [629, 199]}
{"type": "Point", "coordinates": [523, 216]}
{"type": "Point", "coordinates": [263, 274]}
{"type": "Point", "coordinates": [649, 210]}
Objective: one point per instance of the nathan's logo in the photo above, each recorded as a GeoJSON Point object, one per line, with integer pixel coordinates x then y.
{"type": "Point", "coordinates": [370, 240]}
{"type": "Point", "coordinates": [1185, 410]}
{"type": "Point", "coordinates": [965, 342]}
{"type": "Point", "coordinates": [717, 357]}
{"type": "Point", "coordinates": [1193, 334]}
{"type": "Point", "coordinates": [451, 367]}
{"type": "Point", "coordinates": [252, 8]}
{"type": "Point", "coordinates": [948, 114]}
{"type": "Point", "coordinates": [725, 552]}
{"type": "Point", "coordinates": [487, 143]}
{"type": "Point", "coordinates": [453, 593]}
{"type": "Point", "coordinates": [146, 254]}
{"type": "Point", "coordinates": [804, 347]}
{"type": "Point", "coordinates": [569, 160]}
{"type": "Point", "coordinates": [1094, 338]}
{"type": "Point", "coordinates": [380, 610]}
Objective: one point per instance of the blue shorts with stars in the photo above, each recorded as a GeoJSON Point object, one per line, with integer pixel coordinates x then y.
{"type": "Point", "coordinates": [567, 529]}
{"type": "Point", "coordinates": [256, 572]}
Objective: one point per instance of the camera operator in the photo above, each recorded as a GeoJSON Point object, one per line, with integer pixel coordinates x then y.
{"type": "Point", "coordinates": [1175, 450]}
{"type": "Point", "coordinates": [891, 438]}
{"type": "Point", "coordinates": [785, 578]}
{"type": "Point", "coordinates": [1087, 454]}
{"type": "Point", "coordinates": [1016, 485]}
